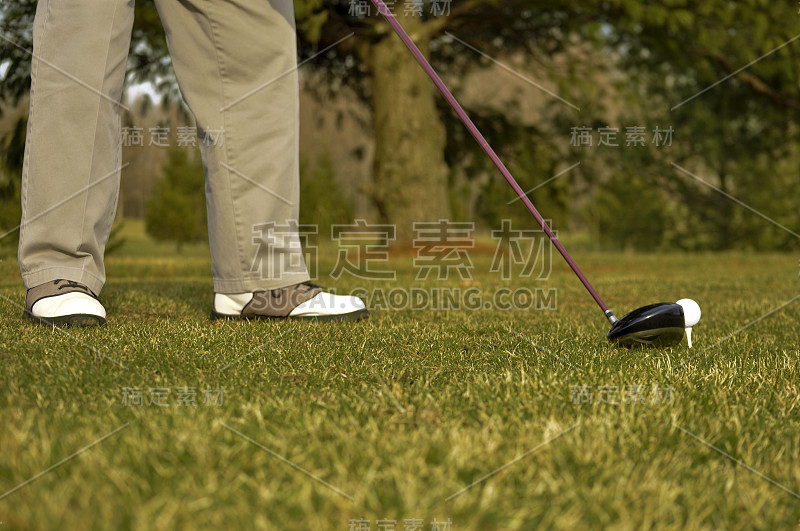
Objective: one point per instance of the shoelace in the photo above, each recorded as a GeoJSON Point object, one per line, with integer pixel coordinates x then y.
{"type": "Point", "coordinates": [308, 284]}
{"type": "Point", "coordinates": [70, 284]}
{"type": "Point", "coordinates": [74, 285]}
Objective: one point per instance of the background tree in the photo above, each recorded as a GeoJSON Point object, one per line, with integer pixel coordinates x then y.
{"type": "Point", "coordinates": [12, 148]}
{"type": "Point", "coordinates": [741, 135]}
{"type": "Point", "coordinates": [16, 41]}
{"type": "Point", "coordinates": [322, 203]}
{"type": "Point", "coordinates": [177, 210]}
{"type": "Point", "coordinates": [724, 76]}
{"type": "Point", "coordinates": [410, 170]}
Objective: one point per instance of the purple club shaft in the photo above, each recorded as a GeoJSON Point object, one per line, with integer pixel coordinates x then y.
{"type": "Point", "coordinates": [398, 28]}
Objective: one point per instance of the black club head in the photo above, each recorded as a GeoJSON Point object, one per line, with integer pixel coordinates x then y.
{"type": "Point", "coordinates": [656, 325]}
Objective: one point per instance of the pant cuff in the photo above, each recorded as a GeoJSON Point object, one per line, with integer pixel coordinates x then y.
{"type": "Point", "coordinates": [246, 285]}
{"type": "Point", "coordinates": [75, 274]}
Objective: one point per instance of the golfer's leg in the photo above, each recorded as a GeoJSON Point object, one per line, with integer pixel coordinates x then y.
{"type": "Point", "coordinates": [70, 178]}
{"type": "Point", "coordinates": [235, 62]}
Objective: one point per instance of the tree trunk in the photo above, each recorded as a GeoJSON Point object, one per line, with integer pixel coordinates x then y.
{"type": "Point", "coordinates": [410, 173]}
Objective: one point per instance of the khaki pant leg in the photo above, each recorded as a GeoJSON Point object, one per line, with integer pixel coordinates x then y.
{"type": "Point", "coordinates": [236, 66]}
{"type": "Point", "coordinates": [70, 178]}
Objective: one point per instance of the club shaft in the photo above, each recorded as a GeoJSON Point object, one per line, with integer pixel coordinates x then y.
{"type": "Point", "coordinates": [398, 28]}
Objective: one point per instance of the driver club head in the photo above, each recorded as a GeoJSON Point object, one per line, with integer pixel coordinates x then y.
{"type": "Point", "coordinates": [656, 325]}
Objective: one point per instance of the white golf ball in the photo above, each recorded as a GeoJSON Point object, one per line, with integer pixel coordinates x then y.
{"type": "Point", "coordinates": [691, 312]}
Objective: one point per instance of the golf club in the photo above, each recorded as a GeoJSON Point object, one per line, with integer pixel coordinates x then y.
{"type": "Point", "coordinates": [654, 325]}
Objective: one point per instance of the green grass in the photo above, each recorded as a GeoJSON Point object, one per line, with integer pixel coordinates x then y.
{"type": "Point", "coordinates": [402, 411]}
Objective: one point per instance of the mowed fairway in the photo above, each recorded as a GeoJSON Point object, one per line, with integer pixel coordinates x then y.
{"type": "Point", "coordinates": [476, 419]}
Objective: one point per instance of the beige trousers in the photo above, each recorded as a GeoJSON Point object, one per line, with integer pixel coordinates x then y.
{"type": "Point", "coordinates": [235, 61]}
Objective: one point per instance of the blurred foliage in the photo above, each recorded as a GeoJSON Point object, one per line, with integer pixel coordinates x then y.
{"type": "Point", "coordinates": [176, 211]}
{"type": "Point", "coordinates": [724, 77]}
{"type": "Point", "coordinates": [531, 156]}
{"type": "Point", "coordinates": [116, 239]}
{"type": "Point", "coordinates": [16, 41]}
{"type": "Point", "coordinates": [537, 29]}
{"type": "Point", "coordinates": [631, 214]}
{"type": "Point", "coordinates": [722, 74]}
{"type": "Point", "coordinates": [322, 202]}
{"type": "Point", "coordinates": [12, 149]}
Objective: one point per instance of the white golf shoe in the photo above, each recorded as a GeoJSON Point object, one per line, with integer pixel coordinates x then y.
{"type": "Point", "coordinates": [64, 303]}
{"type": "Point", "coordinates": [300, 301]}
